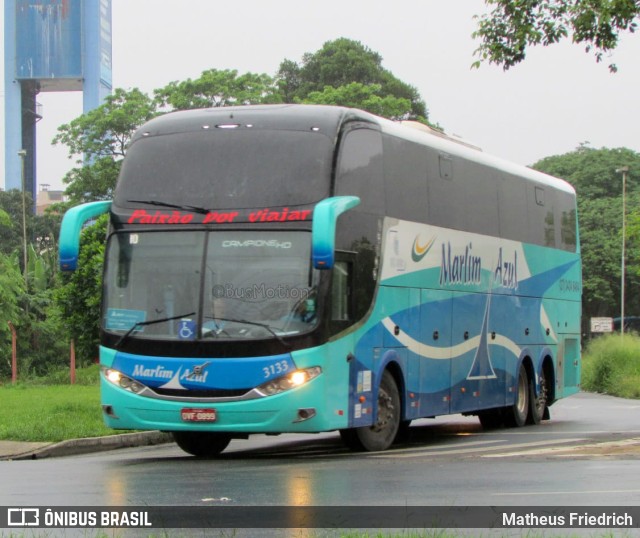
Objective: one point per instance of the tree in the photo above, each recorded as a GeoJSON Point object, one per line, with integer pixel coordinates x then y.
{"type": "Point", "coordinates": [514, 25]}
{"type": "Point", "coordinates": [599, 187]}
{"type": "Point", "coordinates": [96, 181]}
{"type": "Point", "coordinates": [99, 140]}
{"type": "Point", "coordinates": [11, 236]}
{"type": "Point", "coordinates": [217, 88]}
{"type": "Point", "coordinates": [357, 95]}
{"type": "Point", "coordinates": [106, 131]}
{"type": "Point", "coordinates": [11, 291]}
{"type": "Point", "coordinates": [341, 63]}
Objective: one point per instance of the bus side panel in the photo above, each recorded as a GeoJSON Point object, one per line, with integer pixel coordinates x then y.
{"type": "Point", "coordinates": [477, 370]}
{"type": "Point", "coordinates": [435, 334]}
{"type": "Point", "coordinates": [380, 346]}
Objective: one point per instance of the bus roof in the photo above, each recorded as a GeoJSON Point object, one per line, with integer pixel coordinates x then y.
{"type": "Point", "coordinates": [329, 119]}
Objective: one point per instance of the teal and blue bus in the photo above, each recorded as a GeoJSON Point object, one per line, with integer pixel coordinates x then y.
{"type": "Point", "coordinates": [293, 268]}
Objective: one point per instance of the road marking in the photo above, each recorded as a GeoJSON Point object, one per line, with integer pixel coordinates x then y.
{"type": "Point", "coordinates": [431, 451]}
{"type": "Point", "coordinates": [610, 444]}
{"type": "Point", "coordinates": [409, 451]}
{"type": "Point", "coordinates": [573, 492]}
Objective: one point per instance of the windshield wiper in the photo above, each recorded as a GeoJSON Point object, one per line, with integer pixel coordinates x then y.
{"type": "Point", "coordinates": [192, 208]}
{"type": "Point", "coordinates": [139, 324]}
{"type": "Point", "coordinates": [257, 324]}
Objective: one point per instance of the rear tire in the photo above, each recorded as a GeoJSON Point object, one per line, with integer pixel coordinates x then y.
{"type": "Point", "coordinates": [202, 444]}
{"type": "Point", "coordinates": [516, 415]}
{"type": "Point", "coordinates": [382, 434]}
{"type": "Point", "coordinates": [538, 403]}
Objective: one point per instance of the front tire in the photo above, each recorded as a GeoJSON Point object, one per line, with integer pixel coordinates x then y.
{"type": "Point", "coordinates": [202, 444]}
{"type": "Point", "coordinates": [382, 434]}
{"type": "Point", "coordinates": [517, 414]}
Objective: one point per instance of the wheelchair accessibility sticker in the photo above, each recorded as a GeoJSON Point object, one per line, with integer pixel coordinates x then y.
{"type": "Point", "coordinates": [187, 329]}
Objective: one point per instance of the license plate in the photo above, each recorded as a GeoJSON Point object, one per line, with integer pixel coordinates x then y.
{"type": "Point", "coordinates": [198, 415]}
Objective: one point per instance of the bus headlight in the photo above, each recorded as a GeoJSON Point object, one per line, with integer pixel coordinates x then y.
{"type": "Point", "coordinates": [122, 381]}
{"type": "Point", "coordinates": [290, 381]}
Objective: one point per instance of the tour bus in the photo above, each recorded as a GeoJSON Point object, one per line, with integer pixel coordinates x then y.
{"type": "Point", "coordinates": [296, 268]}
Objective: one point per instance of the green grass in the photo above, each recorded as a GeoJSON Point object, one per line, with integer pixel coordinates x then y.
{"type": "Point", "coordinates": [50, 409]}
{"type": "Point", "coordinates": [611, 365]}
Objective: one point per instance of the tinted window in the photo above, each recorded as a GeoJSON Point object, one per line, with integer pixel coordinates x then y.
{"type": "Point", "coordinates": [405, 170]}
{"type": "Point", "coordinates": [567, 221]}
{"type": "Point", "coordinates": [481, 190]}
{"type": "Point", "coordinates": [447, 191]}
{"type": "Point", "coordinates": [542, 225]}
{"type": "Point", "coordinates": [514, 221]}
{"type": "Point", "coordinates": [227, 168]}
{"type": "Point", "coordinates": [360, 170]}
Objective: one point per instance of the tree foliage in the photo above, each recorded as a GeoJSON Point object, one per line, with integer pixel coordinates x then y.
{"type": "Point", "coordinates": [357, 95]}
{"type": "Point", "coordinates": [512, 26]}
{"type": "Point", "coordinates": [11, 235]}
{"type": "Point", "coordinates": [11, 291]}
{"type": "Point", "coordinates": [107, 130]}
{"type": "Point", "coordinates": [333, 70]}
{"type": "Point", "coordinates": [217, 88]}
{"type": "Point", "coordinates": [26, 295]}
{"type": "Point", "coordinates": [98, 140]}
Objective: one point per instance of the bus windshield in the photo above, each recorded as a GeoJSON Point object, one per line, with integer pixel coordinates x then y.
{"type": "Point", "coordinates": [193, 285]}
{"type": "Point", "coordinates": [227, 169]}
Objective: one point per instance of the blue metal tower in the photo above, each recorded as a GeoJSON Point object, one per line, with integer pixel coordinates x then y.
{"type": "Point", "coordinates": [50, 46]}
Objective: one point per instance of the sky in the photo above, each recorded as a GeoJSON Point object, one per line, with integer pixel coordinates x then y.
{"type": "Point", "coordinates": [556, 100]}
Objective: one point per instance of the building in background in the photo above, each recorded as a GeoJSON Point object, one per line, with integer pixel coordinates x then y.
{"type": "Point", "coordinates": [47, 197]}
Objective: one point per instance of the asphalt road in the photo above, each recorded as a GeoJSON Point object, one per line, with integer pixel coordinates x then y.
{"type": "Point", "coordinates": [587, 455]}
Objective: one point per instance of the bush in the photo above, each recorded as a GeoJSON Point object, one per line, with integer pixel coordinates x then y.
{"type": "Point", "coordinates": [611, 365]}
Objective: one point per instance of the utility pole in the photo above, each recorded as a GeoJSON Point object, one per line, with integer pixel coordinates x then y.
{"type": "Point", "coordinates": [624, 170]}
{"type": "Point", "coordinates": [23, 155]}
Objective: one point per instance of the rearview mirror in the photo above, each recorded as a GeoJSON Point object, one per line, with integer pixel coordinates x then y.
{"type": "Point", "coordinates": [72, 222]}
{"type": "Point", "coordinates": [323, 234]}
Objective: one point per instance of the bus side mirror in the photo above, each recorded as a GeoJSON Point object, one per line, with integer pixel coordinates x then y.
{"type": "Point", "coordinates": [72, 222]}
{"type": "Point", "coordinates": [323, 233]}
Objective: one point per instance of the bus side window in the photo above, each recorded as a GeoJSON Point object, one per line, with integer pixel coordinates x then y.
{"type": "Point", "coordinates": [566, 219]}
{"type": "Point", "coordinates": [514, 217]}
{"type": "Point", "coordinates": [541, 217]}
{"type": "Point", "coordinates": [360, 170]}
{"type": "Point", "coordinates": [341, 293]}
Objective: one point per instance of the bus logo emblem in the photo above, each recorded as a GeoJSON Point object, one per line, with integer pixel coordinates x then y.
{"type": "Point", "coordinates": [419, 251]}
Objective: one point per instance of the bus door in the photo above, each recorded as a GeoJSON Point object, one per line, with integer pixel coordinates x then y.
{"type": "Point", "coordinates": [435, 338]}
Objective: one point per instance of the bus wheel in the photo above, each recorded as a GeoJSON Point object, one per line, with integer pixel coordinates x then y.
{"type": "Point", "coordinates": [202, 444]}
{"type": "Point", "coordinates": [380, 435]}
{"type": "Point", "coordinates": [516, 415]}
{"type": "Point", "coordinates": [538, 404]}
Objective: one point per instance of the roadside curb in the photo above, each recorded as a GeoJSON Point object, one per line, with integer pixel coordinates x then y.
{"type": "Point", "coordinates": [88, 445]}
